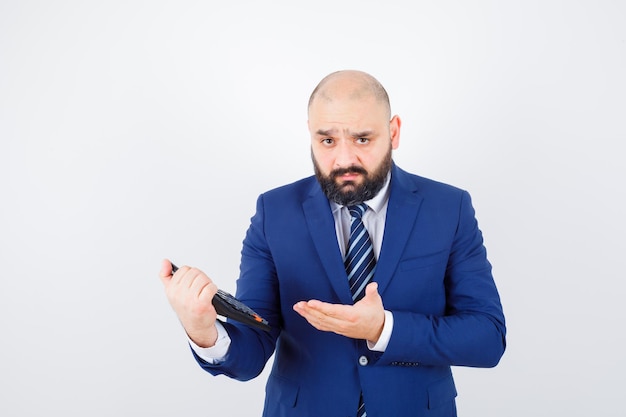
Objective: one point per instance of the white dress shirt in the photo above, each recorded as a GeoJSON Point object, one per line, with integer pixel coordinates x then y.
{"type": "Point", "coordinates": [374, 221]}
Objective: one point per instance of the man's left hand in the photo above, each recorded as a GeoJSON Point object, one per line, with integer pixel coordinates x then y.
{"type": "Point", "coordinates": [363, 320]}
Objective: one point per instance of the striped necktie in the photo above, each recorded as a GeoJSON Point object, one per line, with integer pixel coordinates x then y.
{"type": "Point", "coordinates": [360, 264]}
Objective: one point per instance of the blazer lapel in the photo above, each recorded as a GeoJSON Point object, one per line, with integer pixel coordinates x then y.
{"type": "Point", "coordinates": [321, 225]}
{"type": "Point", "coordinates": [402, 209]}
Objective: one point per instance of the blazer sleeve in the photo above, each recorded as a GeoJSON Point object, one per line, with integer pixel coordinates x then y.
{"type": "Point", "coordinates": [471, 331]}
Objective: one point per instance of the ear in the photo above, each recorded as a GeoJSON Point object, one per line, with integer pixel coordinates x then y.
{"type": "Point", "coordinates": [394, 131]}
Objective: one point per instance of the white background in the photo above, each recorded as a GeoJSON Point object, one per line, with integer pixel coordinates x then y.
{"type": "Point", "coordinates": [132, 131]}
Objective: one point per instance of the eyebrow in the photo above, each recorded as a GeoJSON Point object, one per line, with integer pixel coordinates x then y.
{"type": "Point", "coordinates": [363, 134]}
{"type": "Point", "coordinates": [330, 132]}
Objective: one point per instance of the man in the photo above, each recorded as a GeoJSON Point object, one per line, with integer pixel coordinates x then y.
{"type": "Point", "coordinates": [382, 343]}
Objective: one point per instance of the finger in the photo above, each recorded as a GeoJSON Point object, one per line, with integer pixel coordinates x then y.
{"type": "Point", "coordinates": [309, 314]}
{"type": "Point", "coordinates": [195, 280]}
{"type": "Point", "coordinates": [320, 321]}
{"type": "Point", "coordinates": [320, 312]}
{"type": "Point", "coordinates": [198, 282]}
{"type": "Point", "coordinates": [328, 309]}
{"type": "Point", "coordinates": [207, 292]}
{"type": "Point", "coordinates": [314, 318]}
{"type": "Point", "coordinates": [183, 275]}
{"type": "Point", "coordinates": [324, 316]}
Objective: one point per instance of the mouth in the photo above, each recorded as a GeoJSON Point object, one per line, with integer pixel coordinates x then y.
{"type": "Point", "coordinates": [349, 176]}
{"type": "Point", "coordinates": [349, 173]}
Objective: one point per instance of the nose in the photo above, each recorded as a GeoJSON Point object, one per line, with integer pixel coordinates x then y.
{"type": "Point", "coordinates": [346, 154]}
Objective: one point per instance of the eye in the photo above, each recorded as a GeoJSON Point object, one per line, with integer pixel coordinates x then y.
{"type": "Point", "coordinates": [362, 140]}
{"type": "Point", "coordinates": [327, 141]}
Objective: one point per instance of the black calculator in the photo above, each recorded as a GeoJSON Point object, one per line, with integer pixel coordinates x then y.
{"type": "Point", "coordinates": [228, 306]}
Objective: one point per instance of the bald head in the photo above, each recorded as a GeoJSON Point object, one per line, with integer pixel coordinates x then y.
{"type": "Point", "coordinates": [350, 85]}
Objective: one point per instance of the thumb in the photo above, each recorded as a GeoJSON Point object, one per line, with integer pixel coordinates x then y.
{"type": "Point", "coordinates": [371, 289]}
{"type": "Point", "coordinates": [166, 270]}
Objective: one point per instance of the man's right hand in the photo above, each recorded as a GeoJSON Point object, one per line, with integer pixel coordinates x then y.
{"type": "Point", "coordinates": [190, 292]}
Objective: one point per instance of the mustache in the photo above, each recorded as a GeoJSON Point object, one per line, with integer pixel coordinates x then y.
{"type": "Point", "coordinates": [348, 170]}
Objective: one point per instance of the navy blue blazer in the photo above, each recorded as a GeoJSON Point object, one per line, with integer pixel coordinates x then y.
{"type": "Point", "coordinates": [432, 274]}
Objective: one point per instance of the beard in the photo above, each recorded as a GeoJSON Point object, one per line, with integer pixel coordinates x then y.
{"type": "Point", "coordinates": [348, 193]}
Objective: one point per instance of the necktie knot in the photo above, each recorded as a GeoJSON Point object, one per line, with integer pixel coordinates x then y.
{"type": "Point", "coordinates": [358, 210]}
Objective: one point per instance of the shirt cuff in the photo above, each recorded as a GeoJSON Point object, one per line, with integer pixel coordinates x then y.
{"type": "Point", "coordinates": [216, 353]}
{"type": "Point", "coordinates": [385, 335]}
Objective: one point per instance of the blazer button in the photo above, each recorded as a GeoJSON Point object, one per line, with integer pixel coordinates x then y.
{"type": "Point", "coordinates": [363, 360]}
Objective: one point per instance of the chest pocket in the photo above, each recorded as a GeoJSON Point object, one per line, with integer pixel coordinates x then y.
{"type": "Point", "coordinates": [426, 261]}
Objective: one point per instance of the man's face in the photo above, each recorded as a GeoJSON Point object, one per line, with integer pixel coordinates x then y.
{"type": "Point", "coordinates": [351, 144]}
